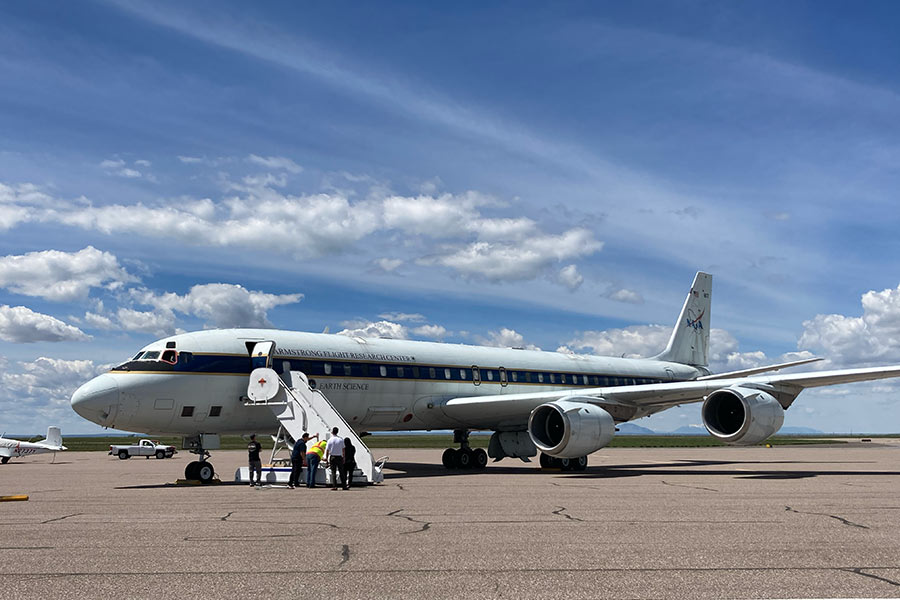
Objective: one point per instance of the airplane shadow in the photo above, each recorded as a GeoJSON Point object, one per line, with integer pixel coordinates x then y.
{"type": "Point", "coordinates": [729, 468]}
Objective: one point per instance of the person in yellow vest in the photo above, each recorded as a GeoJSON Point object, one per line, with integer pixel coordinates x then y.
{"type": "Point", "coordinates": [313, 456]}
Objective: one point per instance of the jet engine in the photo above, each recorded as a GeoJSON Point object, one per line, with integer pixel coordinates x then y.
{"type": "Point", "coordinates": [570, 428]}
{"type": "Point", "coordinates": [742, 416]}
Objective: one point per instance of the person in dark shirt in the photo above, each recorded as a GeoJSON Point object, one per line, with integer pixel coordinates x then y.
{"type": "Point", "coordinates": [349, 463]}
{"type": "Point", "coordinates": [297, 456]}
{"type": "Point", "coordinates": [253, 449]}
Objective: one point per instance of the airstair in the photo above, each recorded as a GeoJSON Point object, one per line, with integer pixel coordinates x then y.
{"type": "Point", "coordinates": [300, 408]}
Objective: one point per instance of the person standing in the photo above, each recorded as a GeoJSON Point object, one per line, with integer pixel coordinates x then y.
{"type": "Point", "coordinates": [253, 449]}
{"type": "Point", "coordinates": [297, 455]}
{"type": "Point", "coordinates": [315, 454]}
{"type": "Point", "coordinates": [334, 454]}
{"type": "Point", "coordinates": [349, 463]}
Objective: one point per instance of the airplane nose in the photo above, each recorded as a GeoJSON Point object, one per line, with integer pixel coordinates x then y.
{"type": "Point", "coordinates": [97, 399]}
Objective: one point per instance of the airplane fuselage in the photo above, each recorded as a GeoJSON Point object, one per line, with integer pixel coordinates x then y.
{"type": "Point", "coordinates": [195, 382]}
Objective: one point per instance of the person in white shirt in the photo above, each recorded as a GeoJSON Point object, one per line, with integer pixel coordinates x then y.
{"type": "Point", "coordinates": [334, 454]}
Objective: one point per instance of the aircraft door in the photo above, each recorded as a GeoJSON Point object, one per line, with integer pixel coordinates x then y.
{"type": "Point", "coordinates": [476, 375]}
{"type": "Point", "coordinates": [262, 354]}
{"type": "Point", "coordinates": [503, 378]}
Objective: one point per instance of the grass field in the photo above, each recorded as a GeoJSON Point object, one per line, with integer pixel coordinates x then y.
{"type": "Point", "coordinates": [235, 442]}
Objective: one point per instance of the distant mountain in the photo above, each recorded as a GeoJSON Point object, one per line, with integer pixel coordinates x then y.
{"type": "Point", "coordinates": [690, 430]}
{"type": "Point", "coordinates": [632, 429]}
{"type": "Point", "coordinates": [800, 431]}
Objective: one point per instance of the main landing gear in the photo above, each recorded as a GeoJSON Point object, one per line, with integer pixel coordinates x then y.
{"type": "Point", "coordinates": [564, 464]}
{"type": "Point", "coordinates": [199, 470]}
{"type": "Point", "coordinates": [465, 457]}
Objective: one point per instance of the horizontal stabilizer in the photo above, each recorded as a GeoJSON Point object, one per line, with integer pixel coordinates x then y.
{"type": "Point", "coordinates": [756, 370]}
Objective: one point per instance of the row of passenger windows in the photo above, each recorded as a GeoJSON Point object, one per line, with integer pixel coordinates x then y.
{"type": "Point", "coordinates": [474, 374]}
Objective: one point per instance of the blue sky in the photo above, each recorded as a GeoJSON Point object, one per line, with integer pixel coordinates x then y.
{"type": "Point", "coordinates": [510, 174]}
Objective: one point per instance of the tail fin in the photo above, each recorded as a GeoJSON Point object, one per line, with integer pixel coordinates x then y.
{"type": "Point", "coordinates": [54, 437]}
{"type": "Point", "coordinates": [689, 343]}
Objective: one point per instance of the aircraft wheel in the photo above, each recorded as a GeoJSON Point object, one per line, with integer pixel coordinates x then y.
{"type": "Point", "coordinates": [567, 464]}
{"type": "Point", "coordinates": [449, 458]}
{"type": "Point", "coordinates": [464, 458]}
{"type": "Point", "coordinates": [123, 455]}
{"type": "Point", "coordinates": [4, 460]}
{"type": "Point", "coordinates": [160, 454]}
{"type": "Point", "coordinates": [581, 463]}
{"type": "Point", "coordinates": [205, 471]}
{"type": "Point", "coordinates": [481, 458]}
{"type": "Point", "coordinates": [191, 470]}
{"type": "Point", "coordinates": [548, 462]}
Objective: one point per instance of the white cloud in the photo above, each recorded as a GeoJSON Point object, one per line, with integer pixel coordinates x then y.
{"type": "Point", "coordinates": [388, 265]}
{"type": "Point", "coordinates": [276, 162]}
{"type": "Point", "coordinates": [117, 167]}
{"type": "Point", "coordinates": [570, 277]}
{"type": "Point", "coordinates": [443, 216]}
{"type": "Point", "coordinates": [506, 338]}
{"type": "Point", "coordinates": [157, 322]}
{"type": "Point", "coordinates": [513, 262]}
{"type": "Point", "coordinates": [253, 182]}
{"type": "Point", "coordinates": [220, 304]}
{"type": "Point", "coordinates": [191, 160]}
{"type": "Point", "coordinates": [16, 202]}
{"type": "Point", "coordinates": [38, 392]}
{"type": "Point", "coordinates": [380, 329]}
{"type": "Point", "coordinates": [22, 325]}
{"type": "Point", "coordinates": [626, 296]}
{"type": "Point", "coordinates": [873, 338]}
{"type": "Point", "coordinates": [436, 332]}
{"type": "Point", "coordinates": [638, 341]}
{"type": "Point", "coordinates": [61, 276]}
{"type": "Point", "coordinates": [263, 218]}
{"type": "Point", "coordinates": [401, 316]}
{"type": "Point", "coordinates": [98, 321]}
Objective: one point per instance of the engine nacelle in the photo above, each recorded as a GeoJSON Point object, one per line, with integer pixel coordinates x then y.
{"type": "Point", "coordinates": [742, 416]}
{"type": "Point", "coordinates": [569, 428]}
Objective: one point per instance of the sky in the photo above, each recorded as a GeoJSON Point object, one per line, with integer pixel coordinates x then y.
{"type": "Point", "coordinates": [500, 173]}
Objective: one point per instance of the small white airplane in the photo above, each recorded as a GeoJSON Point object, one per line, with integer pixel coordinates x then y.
{"type": "Point", "coordinates": [565, 406]}
{"type": "Point", "coordinates": [10, 448]}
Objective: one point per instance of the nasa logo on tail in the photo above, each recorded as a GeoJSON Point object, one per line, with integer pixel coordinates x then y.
{"type": "Point", "coordinates": [694, 323]}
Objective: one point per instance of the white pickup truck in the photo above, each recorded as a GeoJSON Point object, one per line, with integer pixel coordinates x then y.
{"type": "Point", "coordinates": [146, 448]}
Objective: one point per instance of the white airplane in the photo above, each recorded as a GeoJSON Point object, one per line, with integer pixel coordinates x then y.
{"type": "Point", "coordinates": [565, 406]}
{"type": "Point", "coordinates": [10, 448]}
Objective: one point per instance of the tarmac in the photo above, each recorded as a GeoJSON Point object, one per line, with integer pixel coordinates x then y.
{"type": "Point", "coordinates": [781, 522]}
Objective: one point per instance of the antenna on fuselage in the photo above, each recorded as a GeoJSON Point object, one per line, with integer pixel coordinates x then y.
{"type": "Point", "coordinates": [326, 329]}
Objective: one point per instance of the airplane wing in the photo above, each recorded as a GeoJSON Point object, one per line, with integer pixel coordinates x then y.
{"type": "Point", "coordinates": [624, 402]}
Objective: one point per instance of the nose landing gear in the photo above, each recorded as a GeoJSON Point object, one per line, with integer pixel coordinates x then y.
{"type": "Point", "coordinates": [198, 470]}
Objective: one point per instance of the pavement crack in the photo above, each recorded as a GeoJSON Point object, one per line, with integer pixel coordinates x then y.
{"type": "Point", "coordinates": [560, 512]}
{"type": "Point", "coordinates": [859, 571]}
{"type": "Point", "coordinates": [60, 518]}
{"type": "Point", "coordinates": [402, 489]}
{"type": "Point", "coordinates": [345, 555]}
{"type": "Point", "coordinates": [225, 518]}
{"type": "Point", "coordinates": [396, 513]}
{"type": "Point", "coordinates": [835, 517]}
{"type": "Point", "coordinates": [692, 487]}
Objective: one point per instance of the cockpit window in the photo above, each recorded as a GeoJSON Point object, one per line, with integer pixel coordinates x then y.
{"type": "Point", "coordinates": [151, 355]}
{"type": "Point", "coordinates": [138, 355]}
{"type": "Point", "coordinates": [170, 356]}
